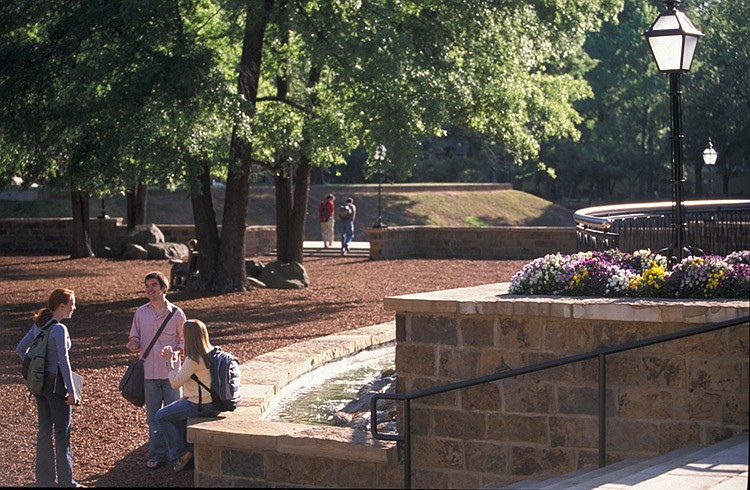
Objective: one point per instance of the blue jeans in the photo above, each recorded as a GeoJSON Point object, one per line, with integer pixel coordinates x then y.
{"type": "Point", "coordinates": [172, 422]}
{"type": "Point", "coordinates": [55, 414]}
{"type": "Point", "coordinates": [348, 232]}
{"type": "Point", "coordinates": [158, 393]}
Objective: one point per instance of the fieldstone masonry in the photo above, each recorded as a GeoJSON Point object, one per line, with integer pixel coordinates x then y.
{"type": "Point", "coordinates": [693, 391]}
{"type": "Point", "coordinates": [492, 242]}
{"type": "Point", "coordinates": [659, 398]}
{"type": "Point", "coordinates": [53, 235]}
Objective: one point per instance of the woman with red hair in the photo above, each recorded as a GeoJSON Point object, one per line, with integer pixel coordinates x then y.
{"type": "Point", "coordinates": [53, 410]}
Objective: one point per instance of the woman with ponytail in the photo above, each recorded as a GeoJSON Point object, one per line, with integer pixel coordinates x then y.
{"type": "Point", "coordinates": [54, 411]}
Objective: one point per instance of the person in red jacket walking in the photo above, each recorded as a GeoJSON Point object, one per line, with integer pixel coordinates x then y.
{"type": "Point", "coordinates": [325, 214]}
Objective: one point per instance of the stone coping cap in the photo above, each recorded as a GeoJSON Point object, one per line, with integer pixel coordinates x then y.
{"type": "Point", "coordinates": [493, 299]}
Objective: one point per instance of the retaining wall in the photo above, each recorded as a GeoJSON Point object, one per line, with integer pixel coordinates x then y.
{"type": "Point", "coordinates": [496, 242]}
{"type": "Point", "coordinates": [687, 392]}
{"type": "Point", "coordinates": [693, 391]}
{"type": "Point", "coordinates": [53, 235]}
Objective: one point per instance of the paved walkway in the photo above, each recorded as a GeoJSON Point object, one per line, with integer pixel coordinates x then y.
{"type": "Point", "coordinates": [315, 248]}
{"type": "Point", "coordinates": [722, 466]}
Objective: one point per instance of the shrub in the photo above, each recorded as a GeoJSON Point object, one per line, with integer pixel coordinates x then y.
{"type": "Point", "coordinates": [613, 273]}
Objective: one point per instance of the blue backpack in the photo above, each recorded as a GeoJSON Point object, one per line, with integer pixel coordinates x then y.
{"type": "Point", "coordinates": [225, 381]}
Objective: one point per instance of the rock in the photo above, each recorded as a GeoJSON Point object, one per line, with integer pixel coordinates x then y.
{"type": "Point", "coordinates": [340, 419]}
{"type": "Point", "coordinates": [108, 252]}
{"type": "Point", "coordinates": [253, 282]}
{"type": "Point", "coordinates": [253, 268]}
{"type": "Point", "coordinates": [135, 252]}
{"type": "Point", "coordinates": [167, 250]}
{"type": "Point", "coordinates": [277, 275]}
{"type": "Point", "coordinates": [143, 234]}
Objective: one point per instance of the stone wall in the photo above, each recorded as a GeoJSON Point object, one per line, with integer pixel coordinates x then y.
{"type": "Point", "coordinates": [52, 235]}
{"type": "Point", "coordinates": [516, 242]}
{"type": "Point", "coordinates": [688, 392]}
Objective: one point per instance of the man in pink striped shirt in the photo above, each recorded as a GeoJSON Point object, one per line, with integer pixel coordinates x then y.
{"type": "Point", "coordinates": [158, 391]}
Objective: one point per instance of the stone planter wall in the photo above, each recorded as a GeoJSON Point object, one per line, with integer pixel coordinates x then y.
{"type": "Point", "coordinates": [506, 242]}
{"type": "Point", "coordinates": [688, 392]}
{"type": "Point", "coordinates": [52, 235]}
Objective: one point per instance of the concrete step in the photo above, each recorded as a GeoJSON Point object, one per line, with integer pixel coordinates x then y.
{"type": "Point", "coordinates": [722, 466]}
{"type": "Point", "coordinates": [317, 249]}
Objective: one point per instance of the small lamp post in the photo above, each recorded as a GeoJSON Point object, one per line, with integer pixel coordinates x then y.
{"type": "Point", "coordinates": [672, 39]}
{"type": "Point", "coordinates": [709, 158]}
{"type": "Point", "coordinates": [103, 214]}
{"type": "Point", "coordinates": [379, 157]}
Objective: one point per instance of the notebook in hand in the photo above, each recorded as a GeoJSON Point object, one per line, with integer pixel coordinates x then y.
{"type": "Point", "coordinates": [62, 390]}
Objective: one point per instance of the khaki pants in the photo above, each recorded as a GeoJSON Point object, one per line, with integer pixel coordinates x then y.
{"type": "Point", "coordinates": [326, 229]}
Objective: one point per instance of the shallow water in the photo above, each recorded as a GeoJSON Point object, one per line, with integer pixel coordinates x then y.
{"type": "Point", "coordinates": [316, 396]}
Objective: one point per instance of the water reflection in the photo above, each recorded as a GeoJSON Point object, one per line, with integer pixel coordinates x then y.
{"type": "Point", "coordinates": [315, 397]}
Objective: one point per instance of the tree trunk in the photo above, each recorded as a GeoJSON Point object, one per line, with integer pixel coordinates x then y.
{"type": "Point", "coordinates": [136, 203]}
{"type": "Point", "coordinates": [318, 176]}
{"type": "Point", "coordinates": [299, 211]}
{"type": "Point", "coordinates": [81, 246]}
{"type": "Point", "coordinates": [284, 206]}
{"type": "Point", "coordinates": [206, 232]}
{"type": "Point", "coordinates": [230, 266]}
{"type": "Point", "coordinates": [698, 189]}
{"type": "Point", "coordinates": [291, 198]}
{"type": "Point", "coordinates": [291, 212]}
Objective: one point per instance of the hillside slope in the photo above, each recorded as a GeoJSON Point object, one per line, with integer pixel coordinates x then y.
{"type": "Point", "coordinates": [437, 207]}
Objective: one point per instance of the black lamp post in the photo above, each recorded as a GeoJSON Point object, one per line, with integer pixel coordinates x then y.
{"type": "Point", "coordinates": [379, 157]}
{"type": "Point", "coordinates": [709, 158]}
{"type": "Point", "coordinates": [672, 39]}
{"type": "Point", "coordinates": [103, 214]}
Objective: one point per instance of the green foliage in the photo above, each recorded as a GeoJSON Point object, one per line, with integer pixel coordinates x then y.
{"type": "Point", "coordinates": [111, 92]}
{"type": "Point", "coordinates": [475, 222]}
{"type": "Point", "coordinates": [716, 91]}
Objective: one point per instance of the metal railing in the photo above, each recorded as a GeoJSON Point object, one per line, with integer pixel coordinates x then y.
{"type": "Point", "coordinates": [600, 354]}
{"type": "Point", "coordinates": [716, 227]}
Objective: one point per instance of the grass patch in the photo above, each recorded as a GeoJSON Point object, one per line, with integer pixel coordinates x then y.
{"type": "Point", "coordinates": [477, 208]}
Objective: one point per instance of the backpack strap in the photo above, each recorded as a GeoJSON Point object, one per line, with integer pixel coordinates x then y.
{"type": "Point", "coordinates": [51, 323]}
{"type": "Point", "coordinates": [200, 392]}
{"type": "Point", "coordinates": [161, 329]}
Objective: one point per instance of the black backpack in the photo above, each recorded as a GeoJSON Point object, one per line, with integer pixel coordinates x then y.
{"type": "Point", "coordinates": [225, 382]}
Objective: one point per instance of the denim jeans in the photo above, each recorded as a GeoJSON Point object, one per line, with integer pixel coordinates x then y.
{"type": "Point", "coordinates": [54, 414]}
{"type": "Point", "coordinates": [348, 233]}
{"type": "Point", "coordinates": [158, 393]}
{"type": "Point", "coordinates": [172, 422]}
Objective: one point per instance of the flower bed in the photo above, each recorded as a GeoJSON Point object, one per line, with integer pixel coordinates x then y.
{"type": "Point", "coordinates": [613, 273]}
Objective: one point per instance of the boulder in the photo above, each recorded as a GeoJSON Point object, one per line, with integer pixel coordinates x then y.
{"type": "Point", "coordinates": [277, 275]}
{"type": "Point", "coordinates": [253, 268]}
{"type": "Point", "coordinates": [254, 283]}
{"type": "Point", "coordinates": [143, 234]}
{"type": "Point", "coordinates": [167, 250]}
{"type": "Point", "coordinates": [134, 251]}
{"type": "Point", "coordinates": [109, 252]}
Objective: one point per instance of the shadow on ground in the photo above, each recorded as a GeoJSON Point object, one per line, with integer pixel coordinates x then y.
{"type": "Point", "coordinates": [131, 471]}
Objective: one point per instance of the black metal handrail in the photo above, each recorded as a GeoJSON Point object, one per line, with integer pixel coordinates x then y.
{"type": "Point", "coordinates": [714, 227]}
{"type": "Point", "coordinates": [601, 354]}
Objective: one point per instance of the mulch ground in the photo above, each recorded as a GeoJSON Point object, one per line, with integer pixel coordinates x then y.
{"type": "Point", "coordinates": [109, 435]}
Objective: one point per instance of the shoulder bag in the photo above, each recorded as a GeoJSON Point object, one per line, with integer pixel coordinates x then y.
{"type": "Point", "coordinates": [131, 384]}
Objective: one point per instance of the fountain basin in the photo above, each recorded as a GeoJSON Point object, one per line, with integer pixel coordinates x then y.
{"type": "Point", "coordinates": [241, 449]}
